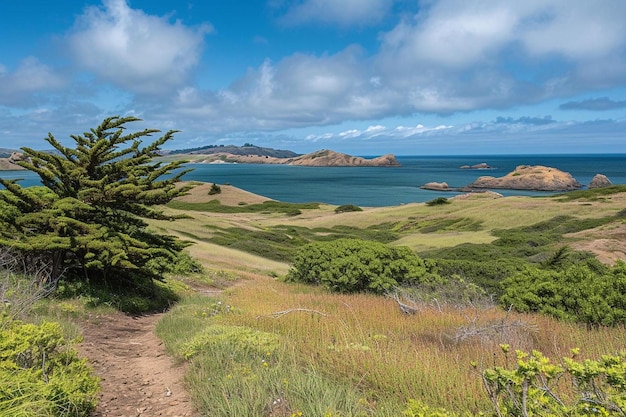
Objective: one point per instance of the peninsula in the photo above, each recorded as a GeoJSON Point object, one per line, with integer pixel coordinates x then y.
{"type": "Point", "coordinates": [249, 154]}
{"type": "Point", "coordinates": [321, 158]}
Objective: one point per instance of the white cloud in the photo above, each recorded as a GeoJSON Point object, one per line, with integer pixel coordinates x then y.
{"type": "Point", "coordinates": [453, 56]}
{"type": "Point", "coordinates": [580, 30]}
{"type": "Point", "coordinates": [140, 52]}
{"type": "Point", "coordinates": [460, 33]}
{"type": "Point", "coordinates": [377, 128]}
{"type": "Point", "coordinates": [452, 33]}
{"type": "Point", "coordinates": [339, 12]}
{"type": "Point", "coordinates": [460, 55]}
{"type": "Point", "coordinates": [29, 78]}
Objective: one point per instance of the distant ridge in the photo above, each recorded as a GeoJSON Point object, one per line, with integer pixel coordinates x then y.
{"type": "Point", "coordinates": [245, 150]}
{"type": "Point", "coordinates": [251, 154]}
{"type": "Point", "coordinates": [6, 153]}
{"type": "Point", "coordinates": [322, 158]}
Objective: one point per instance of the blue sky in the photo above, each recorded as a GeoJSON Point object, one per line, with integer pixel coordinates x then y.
{"type": "Point", "coordinates": [365, 77]}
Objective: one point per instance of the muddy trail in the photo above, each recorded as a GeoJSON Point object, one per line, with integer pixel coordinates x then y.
{"type": "Point", "coordinates": [137, 377]}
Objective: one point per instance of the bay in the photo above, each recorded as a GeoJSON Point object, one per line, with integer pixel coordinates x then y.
{"type": "Point", "coordinates": [385, 186]}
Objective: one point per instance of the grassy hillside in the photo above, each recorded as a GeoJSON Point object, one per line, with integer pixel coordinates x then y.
{"type": "Point", "coordinates": [268, 348]}
{"type": "Point", "coordinates": [240, 221]}
{"type": "Point", "coordinates": [257, 346]}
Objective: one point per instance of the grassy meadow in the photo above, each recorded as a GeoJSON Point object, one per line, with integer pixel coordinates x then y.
{"type": "Point", "coordinates": [262, 347]}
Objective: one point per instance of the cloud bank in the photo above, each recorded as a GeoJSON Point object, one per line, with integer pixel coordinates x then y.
{"type": "Point", "coordinates": [447, 57]}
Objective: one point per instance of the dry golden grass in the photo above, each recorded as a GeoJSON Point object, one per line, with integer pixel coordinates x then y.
{"type": "Point", "coordinates": [364, 340]}
{"type": "Point", "coordinates": [367, 341]}
{"type": "Point", "coordinates": [221, 258]}
{"type": "Point", "coordinates": [229, 196]}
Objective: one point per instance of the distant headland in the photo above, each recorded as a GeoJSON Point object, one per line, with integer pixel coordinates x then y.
{"type": "Point", "coordinates": [250, 154]}
{"type": "Point", "coordinates": [246, 154]}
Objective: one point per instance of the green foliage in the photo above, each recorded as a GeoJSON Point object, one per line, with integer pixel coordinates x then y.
{"type": "Point", "coordinates": [266, 207]}
{"type": "Point", "coordinates": [347, 208]}
{"type": "Point", "coordinates": [88, 219]}
{"type": "Point", "coordinates": [40, 374]}
{"type": "Point", "coordinates": [486, 273]}
{"type": "Point", "coordinates": [534, 387]}
{"type": "Point", "coordinates": [416, 408]}
{"type": "Point", "coordinates": [594, 194]}
{"type": "Point", "coordinates": [280, 242]}
{"type": "Point", "coordinates": [352, 265]}
{"type": "Point", "coordinates": [449, 224]}
{"type": "Point", "coordinates": [439, 201]}
{"type": "Point", "coordinates": [589, 293]}
{"type": "Point", "coordinates": [215, 189]}
{"type": "Point", "coordinates": [243, 339]}
{"type": "Point", "coordinates": [138, 295]}
{"type": "Point", "coordinates": [541, 244]}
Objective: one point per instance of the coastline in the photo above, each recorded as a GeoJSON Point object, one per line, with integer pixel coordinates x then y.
{"type": "Point", "coordinates": [381, 186]}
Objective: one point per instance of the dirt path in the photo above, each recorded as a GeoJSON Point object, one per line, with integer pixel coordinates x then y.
{"type": "Point", "coordinates": [137, 377]}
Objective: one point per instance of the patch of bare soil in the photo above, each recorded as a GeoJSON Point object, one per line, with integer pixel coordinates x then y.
{"type": "Point", "coordinates": [137, 377]}
{"type": "Point", "coordinates": [607, 243]}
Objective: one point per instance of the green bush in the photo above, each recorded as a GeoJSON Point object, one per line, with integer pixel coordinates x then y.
{"type": "Point", "coordinates": [353, 265]}
{"type": "Point", "coordinates": [537, 387]}
{"type": "Point", "coordinates": [347, 208]}
{"type": "Point", "coordinates": [439, 201]}
{"type": "Point", "coordinates": [588, 293]}
{"type": "Point", "coordinates": [40, 374]}
{"type": "Point", "coordinates": [215, 189]}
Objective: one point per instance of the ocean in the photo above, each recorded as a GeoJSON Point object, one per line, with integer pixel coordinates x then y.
{"type": "Point", "coordinates": [385, 186]}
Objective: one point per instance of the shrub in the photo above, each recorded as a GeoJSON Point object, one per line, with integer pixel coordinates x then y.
{"type": "Point", "coordinates": [40, 374]}
{"type": "Point", "coordinates": [347, 208]}
{"type": "Point", "coordinates": [577, 293]}
{"type": "Point", "coordinates": [215, 189]}
{"type": "Point", "coordinates": [536, 387]}
{"type": "Point", "coordinates": [353, 265]}
{"type": "Point", "coordinates": [439, 201]}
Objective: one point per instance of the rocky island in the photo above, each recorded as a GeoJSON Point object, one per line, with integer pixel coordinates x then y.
{"type": "Point", "coordinates": [482, 165]}
{"type": "Point", "coordinates": [532, 178]}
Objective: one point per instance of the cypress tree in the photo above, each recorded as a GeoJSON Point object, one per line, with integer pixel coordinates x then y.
{"type": "Point", "coordinates": [88, 220]}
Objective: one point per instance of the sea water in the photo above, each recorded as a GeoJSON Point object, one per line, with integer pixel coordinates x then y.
{"type": "Point", "coordinates": [385, 186]}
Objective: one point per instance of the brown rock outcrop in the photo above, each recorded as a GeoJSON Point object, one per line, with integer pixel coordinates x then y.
{"type": "Point", "coordinates": [16, 157]}
{"type": "Point", "coordinates": [534, 178]}
{"type": "Point", "coordinates": [436, 186]}
{"type": "Point", "coordinates": [482, 165]}
{"type": "Point", "coordinates": [599, 181]}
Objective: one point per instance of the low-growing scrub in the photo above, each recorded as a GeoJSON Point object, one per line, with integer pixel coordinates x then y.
{"type": "Point", "coordinates": [439, 201]}
{"type": "Point", "coordinates": [215, 189]}
{"type": "Point", "coordinates": [41, 373]}
{"type": "Point", "coordinates": [352, 265]}
{"type": "Point", "coordinates": [535, 386]}
{"type": "Point", "coordinates": [266, 207]}
{"type": "Point", "coordinates": [594, 194]}
{"type": "Point", "coordinates": [346, 208]}
{"type": "Point", "coordinates": [592, 294]}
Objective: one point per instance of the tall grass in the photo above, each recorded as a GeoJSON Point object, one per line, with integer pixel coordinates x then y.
{"type": "Point", "coordinates": [355, 355]}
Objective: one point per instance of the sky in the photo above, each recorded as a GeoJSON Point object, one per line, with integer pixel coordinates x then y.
{"type": "Point", "coordinates": [364, 77]}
